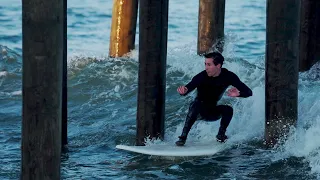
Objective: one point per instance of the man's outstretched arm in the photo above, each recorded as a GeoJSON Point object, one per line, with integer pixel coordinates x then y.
{"type": "Point", "coordinates": [190, 86]}
{"type": "Point", "coordinates": [244, 90]}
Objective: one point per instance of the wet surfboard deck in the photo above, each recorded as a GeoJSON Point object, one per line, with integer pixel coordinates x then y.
{"type": "Point", "coordinates": [170, 149]}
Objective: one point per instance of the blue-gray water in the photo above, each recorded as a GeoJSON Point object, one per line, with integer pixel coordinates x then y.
{"type": "Point", "coordinates": [103, 91]}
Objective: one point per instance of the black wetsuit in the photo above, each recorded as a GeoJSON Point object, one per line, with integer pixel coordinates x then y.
{"type": "Point", "coordinates": [209, 92]}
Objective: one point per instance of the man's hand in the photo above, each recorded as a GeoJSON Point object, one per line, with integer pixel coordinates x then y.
{"type": "Point", "coordinates": [233, 92]}
{"type": "Point", "coordinates": [182, 90]}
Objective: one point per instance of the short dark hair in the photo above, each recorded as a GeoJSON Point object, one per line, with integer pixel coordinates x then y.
{"type": "Point", "coordinates": [216, 56]}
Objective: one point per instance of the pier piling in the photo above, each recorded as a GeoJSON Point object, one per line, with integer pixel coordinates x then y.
{"type": "Point", "coordinates": [153, 30]}
{"type": "Point", "coordinates": [42, 44]}
{"type": "Point", "coordinates": [211, 25]}
{"type": "Point", "coordinates": [123, 28]}
{"type": "Point", "coordinates": [64, 108]}
{"type": "Point", "coordinates": [309, 34]}
{"type": "Point", "coordinates": [282, 65]}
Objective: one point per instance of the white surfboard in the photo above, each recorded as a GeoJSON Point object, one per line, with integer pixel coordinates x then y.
{"type": "Point", "coordinates": [189, 149]}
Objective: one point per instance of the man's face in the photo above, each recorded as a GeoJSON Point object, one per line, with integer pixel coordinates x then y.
{"type": "Point", "coordinates": [211, 69]}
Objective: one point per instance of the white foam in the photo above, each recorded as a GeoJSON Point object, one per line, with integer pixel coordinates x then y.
{"type": "Point", "coordinates": [4, 51]}
{"type": "Point", "coordinates": [304, 140]}
{"type": "Point", "coordinates": [3, 73]}
{"type": "Point", "coordinates": [17, 93]}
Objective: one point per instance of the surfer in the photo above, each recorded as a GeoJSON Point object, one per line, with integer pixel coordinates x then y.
{"type": "Point", "coordinates": [211, 84]}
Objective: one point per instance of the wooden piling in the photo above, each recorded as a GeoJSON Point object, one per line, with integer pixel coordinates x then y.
{"type": "Point", "coordinates": [153, 30]}
{"type": "Point", "coordinates": [42, 44]}
{"type": "Point", "coordinates": [211, 25]}
{"type": "Point", "coordinates": [282, 65]}
{"type": "Point", "coordinates": [123, 28]}
{"type": "Point", "coordinates": [64, 125]}
{"type": "Point", "coordinates": [309, 34]}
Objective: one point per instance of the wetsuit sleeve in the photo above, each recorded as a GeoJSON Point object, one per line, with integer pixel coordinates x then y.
{"type": "Point", "coordinates": [245, 91]}
{"type": "Point", "coordinates": [192, 84]}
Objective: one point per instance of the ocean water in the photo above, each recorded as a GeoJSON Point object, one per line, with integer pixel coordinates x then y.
{"type": "Point", "coordinates": [103, 96]}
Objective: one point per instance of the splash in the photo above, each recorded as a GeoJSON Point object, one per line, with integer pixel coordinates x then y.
{"type": "Point", "coordinates": [304, 140]}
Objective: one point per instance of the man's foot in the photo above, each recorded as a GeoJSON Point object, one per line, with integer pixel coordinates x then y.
{"type": "Point", "coordinates": [181, 141]}
{"type": "Point", "coordinates": [221, 138]}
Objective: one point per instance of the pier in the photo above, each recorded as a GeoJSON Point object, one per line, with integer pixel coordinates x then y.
{"type": "Point", "coordinates": [292, 46]}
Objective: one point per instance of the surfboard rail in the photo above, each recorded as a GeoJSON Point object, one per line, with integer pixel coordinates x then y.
{"type": "Point", "coordinates": [191, 149]}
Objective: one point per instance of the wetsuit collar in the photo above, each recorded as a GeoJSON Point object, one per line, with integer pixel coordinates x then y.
{"type": "Point", "coordinates": [218, 73]}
